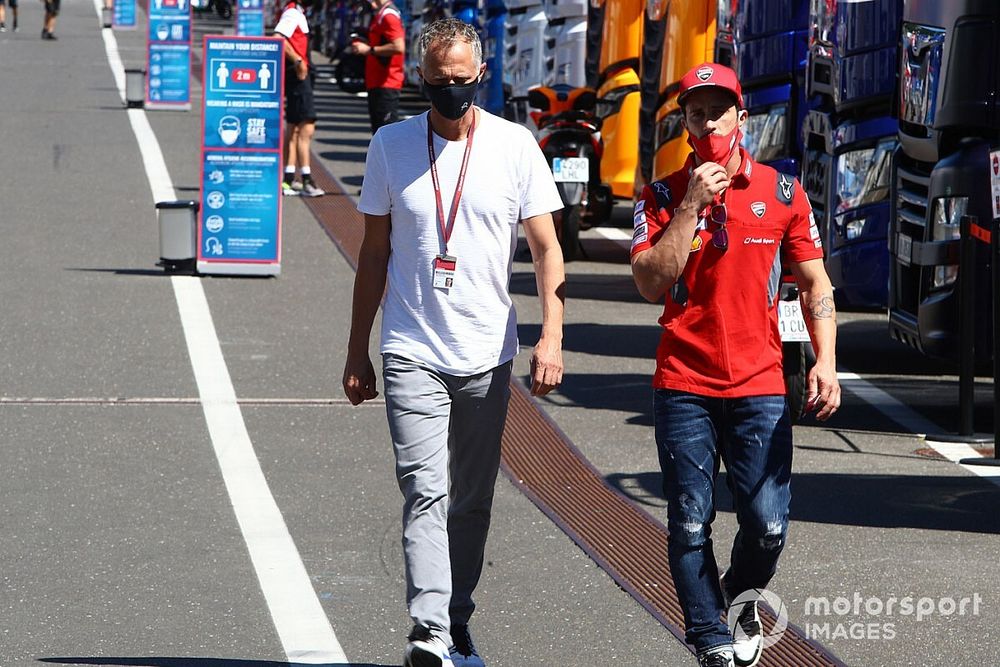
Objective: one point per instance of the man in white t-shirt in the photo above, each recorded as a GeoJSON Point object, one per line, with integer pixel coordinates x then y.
{"type": "Point", "coordinates": [442, 197]}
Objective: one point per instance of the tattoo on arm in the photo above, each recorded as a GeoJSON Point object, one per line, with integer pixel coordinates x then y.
{"type": "Point", "coordinates": [821, 307]}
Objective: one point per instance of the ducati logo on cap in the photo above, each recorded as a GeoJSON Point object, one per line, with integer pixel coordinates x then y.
{"type": "Point", "coordinates": [758, 208]}
{"type": "Point", "coordinates": [704, 73]}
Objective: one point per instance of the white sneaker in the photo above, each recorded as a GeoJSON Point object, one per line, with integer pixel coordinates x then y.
{"type": "Point", "coordinates": [425, 650]}
{"type": "Point", "coordinates": [748, 635]}
{"type": "Point", "coordinates": [309, 189]}
{"type": "Point", "coordinates": [721, 656]}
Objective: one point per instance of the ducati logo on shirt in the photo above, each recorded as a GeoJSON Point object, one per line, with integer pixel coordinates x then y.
{"type": "Point", "coordinates": [758, 208]}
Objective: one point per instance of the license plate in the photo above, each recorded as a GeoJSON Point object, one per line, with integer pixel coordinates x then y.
{"type": "Point", "coordinates": [571, 169]}
{"type": "Point", "coordinates": [904, 249]}
{"type": "Point", "coordinates": [791, 323]}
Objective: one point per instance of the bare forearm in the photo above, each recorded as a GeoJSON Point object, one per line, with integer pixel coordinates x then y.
{"type": "Point", "coordinates": [821, 318]}
{"type": "Point", "coordinates": [657, 269]}
{"type": "Point", "coordinates": [388, 49]}
{"type": "Point", "coordinates": [369, 285]}
{"type": "Point", "coordinates": [550, 278]}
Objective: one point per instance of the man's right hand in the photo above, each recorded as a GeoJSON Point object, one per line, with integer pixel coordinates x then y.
{"type": "Point", "coordinates": [359, 379]}
{"type": "Point", "coordinates": [301, 69]}
{"type": "Point", "coordinates": [707, 180]}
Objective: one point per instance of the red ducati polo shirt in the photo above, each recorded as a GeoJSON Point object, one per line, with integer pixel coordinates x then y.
{"type": "Point", "coordinates": [720, 322]}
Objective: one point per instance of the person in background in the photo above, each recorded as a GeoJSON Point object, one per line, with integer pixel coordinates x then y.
{"type": "Point", "coordinates": [51, 12]}
{"type": "Point", "coordinates": [3, 15]}
{"type": "Point", "coordinates": [384, 63]}
{"type": "Point", "coordinates": [300, 108]}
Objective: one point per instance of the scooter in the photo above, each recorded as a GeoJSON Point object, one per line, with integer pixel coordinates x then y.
{"type": "Point", "coordinates": [569, 134]}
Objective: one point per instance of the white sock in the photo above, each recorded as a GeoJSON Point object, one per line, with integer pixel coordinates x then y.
{"type": "Point", "coordinates": [306, 170]}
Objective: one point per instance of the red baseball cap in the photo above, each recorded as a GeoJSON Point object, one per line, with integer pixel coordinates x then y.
{"type": "Point", "coordinates": [710, 74]}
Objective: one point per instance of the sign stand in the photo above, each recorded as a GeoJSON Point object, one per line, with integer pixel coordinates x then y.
{"type": "Point", "coordinates": [168, 55]}
{"type": "Point", "coordinates": [239, 232]}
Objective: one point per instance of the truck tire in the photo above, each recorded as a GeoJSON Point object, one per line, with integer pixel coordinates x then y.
{"type": "Point", "coordinates": [797, 360]}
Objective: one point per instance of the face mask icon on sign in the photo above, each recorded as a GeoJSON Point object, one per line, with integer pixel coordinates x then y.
{"type": "Point", "coordinates": [229, 129]}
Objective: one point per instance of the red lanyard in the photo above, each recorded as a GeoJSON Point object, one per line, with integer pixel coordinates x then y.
{"type": "Point", "coordinates": [446, 229]}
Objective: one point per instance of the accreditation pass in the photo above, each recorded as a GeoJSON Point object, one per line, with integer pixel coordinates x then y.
{"type": "Point", "coordinates": [444, 271]}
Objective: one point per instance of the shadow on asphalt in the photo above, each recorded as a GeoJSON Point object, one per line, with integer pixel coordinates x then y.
{"type": "Point", "coordinates": [589, 286]}
{"type": "Point", "coordinates": [340, 141]}
{"type": "Point", "coordinates": [191, 662]}
{"type": "Point", "coordinates": [876, 501]}
{"type": "Point", "coordinates": [864, 346]}
{"type": "Point", "coordinates": [126, 272]}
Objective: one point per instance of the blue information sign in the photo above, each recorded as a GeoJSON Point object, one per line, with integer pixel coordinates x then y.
{"type": "Point", "coordinates": [168, 84]}
{"type": "Point", "coordinates": [250, 18]}
{"type": "Point", "coordinates": [240, 228]}
{"type": "Point", "coordinates": [123, 15]}
{"type": "Point", "coordinates": [240, 195]}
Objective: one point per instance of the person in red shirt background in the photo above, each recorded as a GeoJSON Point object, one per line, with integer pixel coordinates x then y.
{"type": "Point", "coordinates": [300, 108]}
{"type": "Point", "coordinates": [711, 239]}
{"type": "Point", "coordinates": [384, 64]}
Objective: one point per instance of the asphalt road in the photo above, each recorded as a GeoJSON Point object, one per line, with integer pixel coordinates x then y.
{"type": "Point", "coordinates": [121, 541]}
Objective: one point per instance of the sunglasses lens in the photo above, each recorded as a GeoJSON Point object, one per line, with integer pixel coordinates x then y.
{"type": "Point", "coordinates": [720, 238]}
{"type": "Point", "coordinates": [719, 215]}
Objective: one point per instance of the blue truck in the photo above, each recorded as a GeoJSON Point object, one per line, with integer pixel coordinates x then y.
{"type": "Point", "coordinates": [765, 41]}
{"type": "Point", "coordinates": [849, 136]}
{"type": "Point", "coordinates": [949, 125]}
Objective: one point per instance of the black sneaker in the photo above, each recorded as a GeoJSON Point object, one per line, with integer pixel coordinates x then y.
{"type": "Point", "coordinates": [716, 657]}
{"type": "Point", "coordinates": [3, 28]}
{"type": "Point", "coordinates": [463, 650]}
{"type": "Point", "coordinates": [748, 635]}
{"type": "Point", "coordinates": [425, 650]}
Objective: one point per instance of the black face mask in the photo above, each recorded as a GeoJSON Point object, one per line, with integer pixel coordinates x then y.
{"type": "Point", "coordinates": [451, 100]}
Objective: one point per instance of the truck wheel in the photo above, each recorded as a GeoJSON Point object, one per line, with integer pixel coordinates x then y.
{"type": "Point", "coordinates": [569, 232]}
{"type": "Point", "coordinates": [797, 359]}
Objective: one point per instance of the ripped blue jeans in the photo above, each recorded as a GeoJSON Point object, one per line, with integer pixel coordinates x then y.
{"type": "Point", "coordinates": [753, 437]}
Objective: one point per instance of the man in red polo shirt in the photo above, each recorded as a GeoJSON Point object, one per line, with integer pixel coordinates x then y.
{"type": "Point", "coordinates": [384, 64]}
{"type": "Point", "coordinates": [710, 240]}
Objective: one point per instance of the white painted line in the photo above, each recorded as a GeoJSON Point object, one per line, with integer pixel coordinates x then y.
{"type": "Point", "coordinates": [619, 236]}
{"type": "Point", "coordinates": [298, 616]}
{"type": "Point", "coordinates": [888, 405]}
{"type": "Point", "coordinates": [915, 423]}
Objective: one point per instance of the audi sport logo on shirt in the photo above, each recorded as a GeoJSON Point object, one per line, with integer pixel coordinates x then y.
{"type": "Point", "coordinates": [758, 208]}
{"type": "Point", "coordinates": [704, 73]}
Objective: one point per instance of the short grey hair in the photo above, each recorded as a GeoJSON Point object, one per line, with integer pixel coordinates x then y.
{"type": "Point", "coordinates": [445, 32]}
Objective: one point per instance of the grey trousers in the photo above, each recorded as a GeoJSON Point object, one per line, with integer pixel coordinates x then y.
{"type": "Point", "coordinates": [446, 434]}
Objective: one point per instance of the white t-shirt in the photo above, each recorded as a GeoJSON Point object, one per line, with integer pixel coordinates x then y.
{"type": "Point", "coordinates": [470, 327]}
